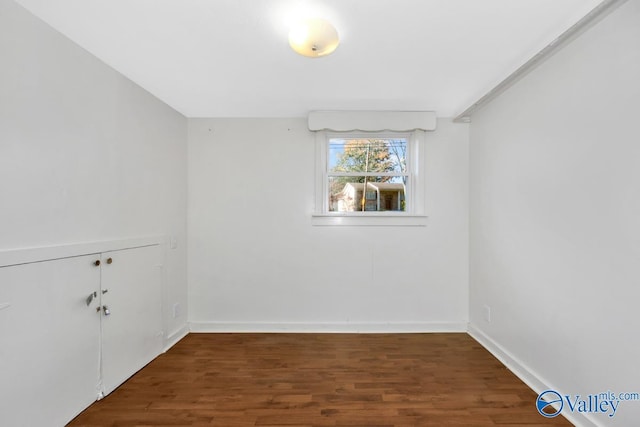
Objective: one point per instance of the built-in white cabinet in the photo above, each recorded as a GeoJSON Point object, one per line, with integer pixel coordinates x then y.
{"type": "Point", "coordinates": [73, 329]}
{"type": "Point", "coordinates": [131, 305]}
{"type": "Point", "coordinates": [49, 341]}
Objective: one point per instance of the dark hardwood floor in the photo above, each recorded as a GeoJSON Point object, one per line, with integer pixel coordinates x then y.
{"type": "Point", "coordinates": [390, 380]}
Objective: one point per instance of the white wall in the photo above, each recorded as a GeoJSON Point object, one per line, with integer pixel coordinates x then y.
{"type": "Point", "coordinates": [85, 154]}
{"type": "Point", "coordinates": [257, 263]}
{"type": "Point", "coordinates": [555, 218]}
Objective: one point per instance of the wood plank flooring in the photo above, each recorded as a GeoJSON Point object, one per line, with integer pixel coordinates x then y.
{"type": "Point", "coordinates": [381, 380]}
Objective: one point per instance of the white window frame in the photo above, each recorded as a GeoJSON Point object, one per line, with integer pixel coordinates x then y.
{"type": "Point", "coordinates": [414, 214]}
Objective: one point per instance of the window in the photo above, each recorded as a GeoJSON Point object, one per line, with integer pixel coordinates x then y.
{"type": "Point", "coordinates": [367, 174]}
{"type": "Point", "coordinates": [369, 178]}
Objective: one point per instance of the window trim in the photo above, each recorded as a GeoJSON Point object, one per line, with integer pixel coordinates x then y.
{"type": "Point", "coordinates": [414, 215]}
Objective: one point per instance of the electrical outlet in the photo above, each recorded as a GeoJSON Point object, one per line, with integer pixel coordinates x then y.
{"type": "Point", "coordinates": [176, 310]}
{"type": "Point", "coordinates": [487, 313]}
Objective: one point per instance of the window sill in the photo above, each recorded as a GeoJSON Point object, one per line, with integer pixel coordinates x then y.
{"type": "Point", "coordinates": [371, 220]}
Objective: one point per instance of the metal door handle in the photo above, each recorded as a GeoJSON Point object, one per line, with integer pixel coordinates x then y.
{"type": "Point", "coordinates": [106, 310]}
{"type": "Point", "coordinates": [91, 297]}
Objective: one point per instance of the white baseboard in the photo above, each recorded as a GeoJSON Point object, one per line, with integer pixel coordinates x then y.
{"type": "Point", "coordinates": [329, 327]}
{"type": "Point", "coordinates": [175, 337]}
{"type": "Point", "coordinates": [527, 375]}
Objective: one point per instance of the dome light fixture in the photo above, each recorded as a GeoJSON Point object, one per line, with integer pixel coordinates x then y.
{"type": "Point", "coordinates": [313, 37]}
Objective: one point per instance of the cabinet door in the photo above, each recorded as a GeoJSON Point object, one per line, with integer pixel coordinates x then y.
{"type": "Point", "coordinates": [49, 341]}
{"type": "Point", "coordinates": [132, 327]}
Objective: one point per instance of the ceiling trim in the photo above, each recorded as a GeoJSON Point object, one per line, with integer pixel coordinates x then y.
{"type": "Point", "coordinates": [596, 15]}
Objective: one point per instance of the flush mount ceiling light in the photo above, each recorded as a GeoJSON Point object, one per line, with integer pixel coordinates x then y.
{"type": "Point", "coordinates": [313, 37]}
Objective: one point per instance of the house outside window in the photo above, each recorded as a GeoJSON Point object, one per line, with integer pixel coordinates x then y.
{"type": "Point", "coordinates": [379, 197]}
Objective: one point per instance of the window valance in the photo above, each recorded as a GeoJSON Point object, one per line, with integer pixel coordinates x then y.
{"type": "Point", "coordinates": [372, 121]}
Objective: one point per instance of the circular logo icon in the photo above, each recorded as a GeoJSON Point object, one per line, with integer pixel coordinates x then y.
{"type": "Point", "coordinates": [549, 403]}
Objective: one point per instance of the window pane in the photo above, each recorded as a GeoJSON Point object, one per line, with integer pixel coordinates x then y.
{"type": "Point", "coordinates": [368, 155]}
{"type": "Point", "coordinates": [383, 193]}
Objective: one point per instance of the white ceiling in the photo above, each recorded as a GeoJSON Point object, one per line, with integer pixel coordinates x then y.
{"type": "Point", "coordinates": [231, 58]}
